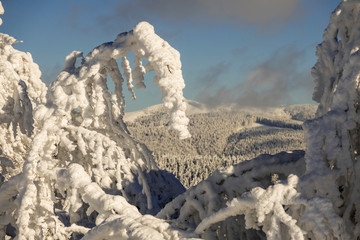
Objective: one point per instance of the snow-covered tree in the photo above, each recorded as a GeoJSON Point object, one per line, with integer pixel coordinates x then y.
{"type": "Point", "coordinates": [20, 89]}
{"type": "Point", "coordinates": [333, 139]}
{"type": "Point", "coordinates": [83, 169]}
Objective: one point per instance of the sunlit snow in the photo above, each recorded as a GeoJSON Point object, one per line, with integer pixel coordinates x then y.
{"type": "Point", "coordinates": [71, 169]}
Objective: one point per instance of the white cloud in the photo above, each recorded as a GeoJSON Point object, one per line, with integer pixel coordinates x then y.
{"type": "Point", "coordinates": [254, 11]}
{"type": "Point", "coordinates": [237, 12]}
{"type": "Point", "coordinates": [274, 82]}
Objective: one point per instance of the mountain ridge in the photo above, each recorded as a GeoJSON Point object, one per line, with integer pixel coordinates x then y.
{"type": "Point", "coordinates": [220, 137]}
{"type": "Point", "coordinates": [195, 107]}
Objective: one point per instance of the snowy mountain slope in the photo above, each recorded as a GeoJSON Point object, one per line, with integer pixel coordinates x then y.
{"type": "Point", "coordinates": [219, 138]}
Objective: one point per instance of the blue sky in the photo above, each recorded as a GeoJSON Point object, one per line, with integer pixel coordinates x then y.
{"type": "Point", "coordinates": [255, 53]}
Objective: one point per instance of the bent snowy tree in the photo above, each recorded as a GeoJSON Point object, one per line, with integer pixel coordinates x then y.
{"type": "Point", "coordinates": [82, 124]}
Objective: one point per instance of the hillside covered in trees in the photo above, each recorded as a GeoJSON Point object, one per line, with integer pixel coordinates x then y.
{"type": "Point", "coordinates": [220, 137]}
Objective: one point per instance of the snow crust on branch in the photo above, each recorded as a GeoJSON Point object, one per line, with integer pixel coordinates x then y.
{"type": "Point", "coordinates": [165, 61]}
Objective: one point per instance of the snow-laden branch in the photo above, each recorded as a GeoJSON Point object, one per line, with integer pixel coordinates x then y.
{"type": "Point", "coordinates": [161, 57]}
{"type": "Point", "coordinates": [262, 208]}
{"type": "Point", "coordinates": [205, 199]}
{"type": "Point", "coordinates": [116, 217]}
{"type": "Point", "coordinates": [165, 61]}
{"type": "Point", "coordinates": [272, 210]}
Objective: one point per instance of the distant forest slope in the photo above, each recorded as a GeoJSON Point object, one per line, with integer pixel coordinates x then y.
{"type": "Point", "coordinates": [219, 138]}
